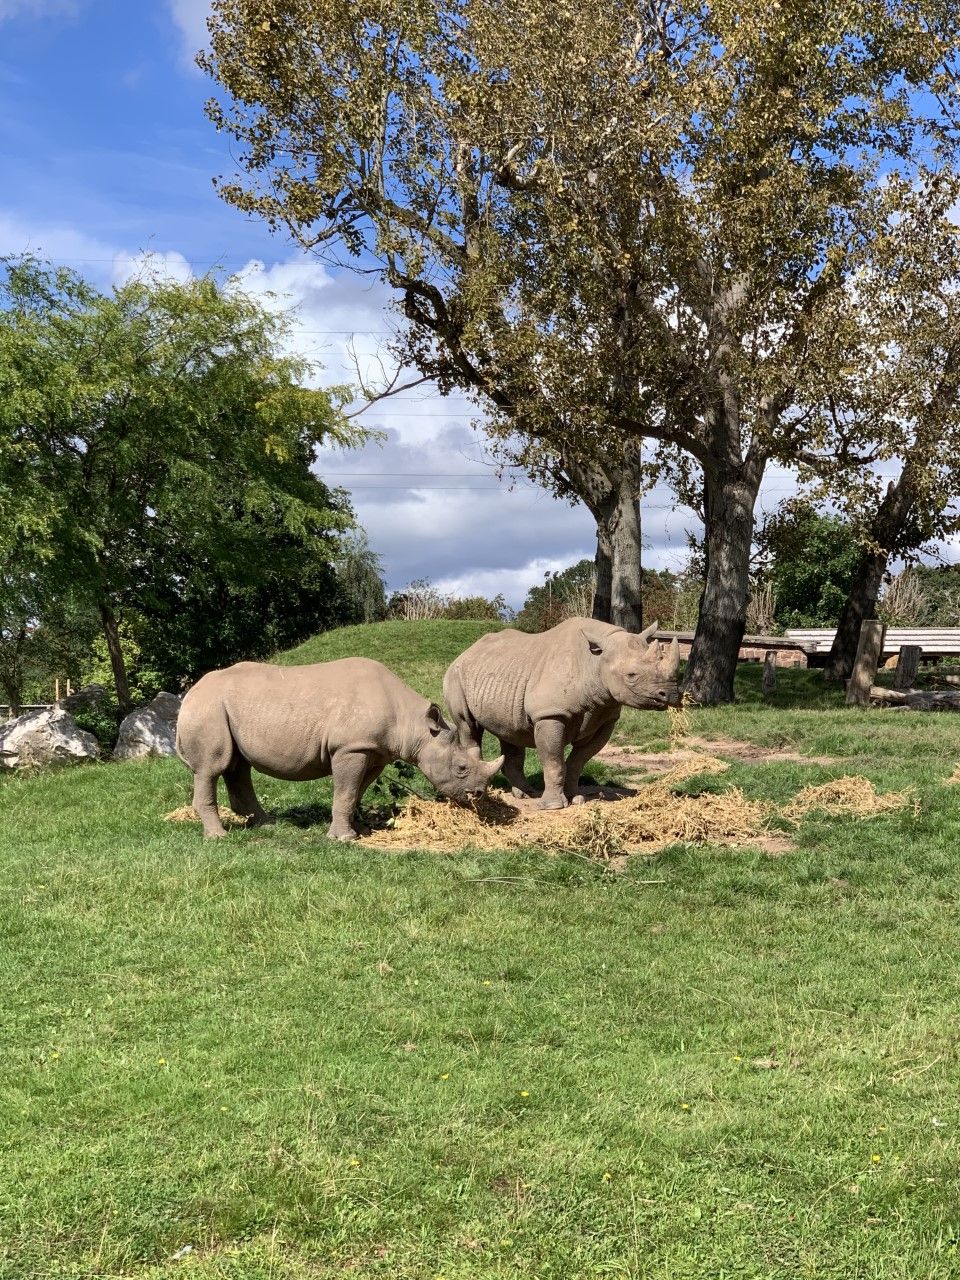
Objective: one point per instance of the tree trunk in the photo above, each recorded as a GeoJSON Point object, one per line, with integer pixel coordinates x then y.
{"type": "Point", "coordinates": [626, 608]}
{"type": "Point", "coordinates": [860, 604]}
{"type": "Point", "coordinates": [728, 510]}
{"type": "Point", "coordinates": [885, 533]}
{"type": "Point", "coordinates": [603, 569]}
{"type": "Point", "coordinates": [13, 692]}
{"type": "Point", "coordinates": [112, 637]}
{"type": "Point", "coordinates": [612, 501]}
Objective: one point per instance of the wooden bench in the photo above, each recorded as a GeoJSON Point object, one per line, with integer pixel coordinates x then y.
{"type": "Point", "coordinates": [936, 642]}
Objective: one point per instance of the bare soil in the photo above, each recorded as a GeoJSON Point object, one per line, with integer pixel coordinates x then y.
{"type": "Point", "coordinates": [655, 762]}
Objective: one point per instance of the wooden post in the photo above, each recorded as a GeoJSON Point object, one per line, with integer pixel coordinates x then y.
{"type": "Point", "coordinates": [866, 662]}
{"type": "Point", "coordinates": [56, 690]}
{"type": "Point", "coordinates": [769, 682]}
{"type": "Point", "coordinates": [907, 665]}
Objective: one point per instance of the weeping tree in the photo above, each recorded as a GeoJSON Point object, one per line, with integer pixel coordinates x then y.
{"type": "Point", "coordinates": [608, 221]}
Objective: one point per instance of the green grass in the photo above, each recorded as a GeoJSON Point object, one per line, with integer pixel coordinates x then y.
{"type": "Point", "coordinates": [313, 1061]}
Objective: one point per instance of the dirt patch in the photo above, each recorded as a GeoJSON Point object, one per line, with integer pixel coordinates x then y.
{"type": "Point", "coordinates": [656, 762]}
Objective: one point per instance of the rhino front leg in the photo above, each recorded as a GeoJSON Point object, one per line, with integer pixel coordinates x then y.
{"type": "Point", "coordinates": [512, 770]}
{"type": "Point", "coordinates": [350, 771]}
{"type": "Point", "coordinates": [549, 737]}
{"type": "Point", "coordinates": [580, 754]}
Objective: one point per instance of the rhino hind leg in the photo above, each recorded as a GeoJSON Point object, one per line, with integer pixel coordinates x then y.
{"type": "Point", "coordinates": [512, 770]}
{"type": "Point", "coordinates": [243, 798]}
{"type": "Point", "coordinates": [205, 804]}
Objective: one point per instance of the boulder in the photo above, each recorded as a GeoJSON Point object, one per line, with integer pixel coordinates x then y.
{"type": "Point", "coordinates": [85, 699]}
{"type": "Point", "coordinates": [150, 730]}
{"type": "Point", "coordinates": [43, 737]}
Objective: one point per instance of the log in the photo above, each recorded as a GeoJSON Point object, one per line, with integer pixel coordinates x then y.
{"type": "Point", "coordinates": [907, 665]}
{"type": "Point", "coordinates": [869, 649]}
{"type": "Point", "coordinates": [768, 683]}
{"type": "Point", "coordinates": [915, 699]}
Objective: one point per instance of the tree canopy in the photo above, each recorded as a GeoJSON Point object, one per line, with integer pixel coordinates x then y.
{"type": "Point", "coordinates": [155, 440]}
{"type": "Point", "coordinates": [602, 219]}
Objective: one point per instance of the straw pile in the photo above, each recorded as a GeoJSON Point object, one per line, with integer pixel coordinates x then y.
{"type": "Point", "coordinates": [645, 822]}
{"type": "Point", "coordinates": [187, 813]}
{"type": "Point", "coordinates": [853, 795]}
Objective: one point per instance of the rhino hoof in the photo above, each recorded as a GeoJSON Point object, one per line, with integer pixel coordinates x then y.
{"type": "Point", "coordinates": [349, 834]}
{"type": "Point", "coordinates": [579, 798]}
{"type": "Point", "coordinates": [518, 793]}
{"type": "Point", "coordinates": [215, 835]}
{"type": "Point", "coordinates": [546, 803]}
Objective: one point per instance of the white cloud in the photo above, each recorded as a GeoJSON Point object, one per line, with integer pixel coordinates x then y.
{"type": "Point", "coordinates": [56, 242]}
{"type": "Point", "coordinates": [190, 17]}
{"type": "Point", "coordinates": [36, 8]}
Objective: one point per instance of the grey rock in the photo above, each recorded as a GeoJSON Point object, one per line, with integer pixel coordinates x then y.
{"type": "Point", "coordinates": [150, 730]}
{"type": "Point", "coordinates": [44, 737]}
{"type": "Point", "coordinates": [91, 695]}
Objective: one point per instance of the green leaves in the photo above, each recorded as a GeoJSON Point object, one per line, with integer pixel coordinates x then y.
{"type": "Point", "coordinates": [141, 429]}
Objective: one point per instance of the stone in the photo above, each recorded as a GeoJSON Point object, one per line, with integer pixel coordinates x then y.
{"type": "Point", "coordinates": [150, 730]}
{"type": "Point", "coordinates": [45, 737]}
{"type": "Point", "coordinates": [85, 699]}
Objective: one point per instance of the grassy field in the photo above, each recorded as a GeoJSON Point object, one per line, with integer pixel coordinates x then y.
{"type": "Point", "coordinates": [273, 1056]}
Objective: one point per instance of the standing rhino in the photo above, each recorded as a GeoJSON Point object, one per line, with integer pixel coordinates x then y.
{"type": "Point", "coordinates": [563, 687]}
{"type": "Point", "coordinates": [347, 718]}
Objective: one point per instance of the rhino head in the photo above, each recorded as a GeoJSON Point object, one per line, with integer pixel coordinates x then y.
{"type": "Point", "coordinates": [456, 773]}
{"type": "Point", "coordinates": [635, 670]}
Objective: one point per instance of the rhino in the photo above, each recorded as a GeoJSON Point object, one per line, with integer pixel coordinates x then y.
{"type": "Point", "coordinates": [563, 687]}
{"type": "Point", "coordinates": [349, 718]}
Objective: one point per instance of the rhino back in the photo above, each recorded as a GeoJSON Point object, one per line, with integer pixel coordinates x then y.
{"type": "Point", "coordinates": [511, 678]}
{"type": "Point", "coordinates": [288, 721]}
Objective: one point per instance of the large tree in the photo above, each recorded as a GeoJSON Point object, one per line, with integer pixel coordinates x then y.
{"type": "Point", "coordinates": [607, 219]}
{"type": "Point", "coordinates": [154, 417]}
{"type": "Point", "coordinates": [882, 426]}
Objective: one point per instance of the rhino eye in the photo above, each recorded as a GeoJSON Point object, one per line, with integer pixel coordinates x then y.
{"type": "Point", "coordinates": [461, 769]}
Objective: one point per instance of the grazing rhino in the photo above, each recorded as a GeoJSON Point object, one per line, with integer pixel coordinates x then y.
{"type": "Point", "coordinates": [563, 687]}
{"type": "Point", "coordinates": [347, 718]}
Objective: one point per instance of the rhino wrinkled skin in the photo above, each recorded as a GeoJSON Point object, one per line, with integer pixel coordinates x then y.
{"type": "Point", "coordinates": [563, 687]}
{"type": "Point", "coordinates": [349, 718]}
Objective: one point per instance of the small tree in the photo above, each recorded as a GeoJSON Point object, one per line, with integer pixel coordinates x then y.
{"type": "Point", "coordinates": [145, 419]}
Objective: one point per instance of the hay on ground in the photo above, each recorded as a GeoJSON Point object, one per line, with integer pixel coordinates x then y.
{"type": "Point", "coordinates": [849, 795]}
{"type": "Point", "coordinates": [187, 813]}
{"type": "Point", "coordinates": [645, 822]}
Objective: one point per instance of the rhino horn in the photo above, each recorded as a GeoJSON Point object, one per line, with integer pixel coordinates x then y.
{"type": "Point", "coordinates": [648, 633]}
{"type": "Point", "coordinates": [495, 766]}
{"type": "Point", "coordinates": [673, 656]}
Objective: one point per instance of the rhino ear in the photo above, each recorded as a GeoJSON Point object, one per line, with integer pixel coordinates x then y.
{"type": "Point", "coordinates": [591, 643]}
{"type": "Point", "coordinates": [435, 720]}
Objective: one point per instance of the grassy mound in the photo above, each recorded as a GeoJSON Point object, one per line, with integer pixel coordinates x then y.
{"type": "Point", "coordinates": [419, 652]}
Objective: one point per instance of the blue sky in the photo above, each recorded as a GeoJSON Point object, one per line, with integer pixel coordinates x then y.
{"type": "Point", "coordinates": [105, 153]}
